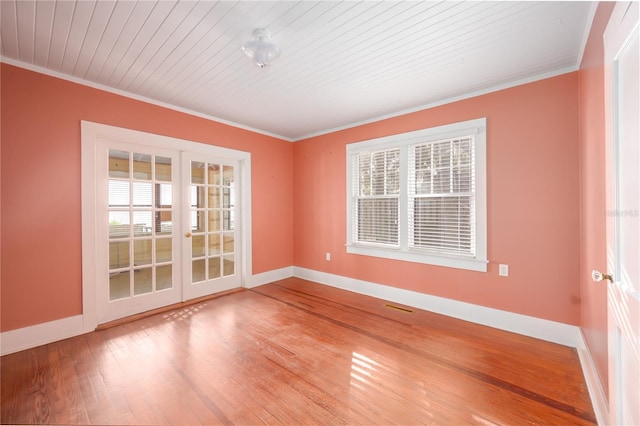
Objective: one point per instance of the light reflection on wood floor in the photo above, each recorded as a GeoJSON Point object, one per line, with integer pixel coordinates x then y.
{"type": "Point", "coordinates": [294, 352]}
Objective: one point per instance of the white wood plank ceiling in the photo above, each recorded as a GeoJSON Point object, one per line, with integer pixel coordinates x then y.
{"type": "Point", "coordinates": [342, 62]}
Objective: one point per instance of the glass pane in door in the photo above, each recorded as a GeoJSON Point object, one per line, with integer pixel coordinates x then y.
{"type": "Point", "coordinates": [143, 281]}
{"type": "Point", "coordinates": [163, 277]}
{"type": "Point", "coordinates": [163, 169]}
{"type": "Point", "coordinates": [118, 164]}
{"type": "Point", "coordinates": [142, 166]}
{"type": "Point", "coordinates": [142, 252]}
{"type": "Point", "coordinates": [118, 254]}
{"type": "Point", "coordinates": [119, 285]}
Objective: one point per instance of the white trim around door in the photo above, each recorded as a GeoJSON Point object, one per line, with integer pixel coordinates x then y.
{"type": "Point", "coordinates": [92, 134]}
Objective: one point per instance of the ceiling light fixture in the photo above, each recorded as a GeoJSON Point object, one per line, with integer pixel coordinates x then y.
{"type": "Point", "coordinates": [260, 49]}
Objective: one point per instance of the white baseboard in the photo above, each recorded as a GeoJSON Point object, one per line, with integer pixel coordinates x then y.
{"type": "Point", "coordinates": [49, 332]}
{"type": "Point", "coordinates": [551, 331]}
{"type": "Point", "coordinates": [40, 334]}
{"type": "Point", "coordinates": [269, 277]}
{"type": "Point", "coordinates": [594, 385]}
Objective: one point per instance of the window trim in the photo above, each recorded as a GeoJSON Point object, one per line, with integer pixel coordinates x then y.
{"type": "Point", "coordinates": [476, 127]}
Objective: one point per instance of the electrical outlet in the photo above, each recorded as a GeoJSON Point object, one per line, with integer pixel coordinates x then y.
{"type": "Point", "coordinates": [327, 256]}
{"type": "Point", "coordinates": [503, 270]}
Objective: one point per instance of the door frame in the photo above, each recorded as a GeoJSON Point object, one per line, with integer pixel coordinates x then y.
{"type": "Point", "coordinates": [618, 33]}
{"type": "Point", "coordinates": [90, 133]}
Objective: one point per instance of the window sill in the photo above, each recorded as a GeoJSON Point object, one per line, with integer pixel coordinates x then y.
{"type": "Point", "coordinates": [478, 265]}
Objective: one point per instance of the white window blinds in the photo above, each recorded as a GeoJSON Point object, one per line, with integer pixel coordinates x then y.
{"type": "Point", "coordinates": [376, 192]}
{"type": "Point", "coordinates": [420, 196]}
{"type": "Point", "coordinates": [441, 196]}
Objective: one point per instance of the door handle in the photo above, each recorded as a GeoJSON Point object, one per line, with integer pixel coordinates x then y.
{"type": "Point", "coordinates": [598, 276]}
{"type": "Point", "coordinates": [187, 234]}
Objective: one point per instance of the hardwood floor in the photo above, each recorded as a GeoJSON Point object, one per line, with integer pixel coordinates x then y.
{"type": "Point", "coordinates": [295, 352]}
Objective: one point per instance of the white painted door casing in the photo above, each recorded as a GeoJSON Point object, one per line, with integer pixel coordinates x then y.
{"type": "Point", "coordinates": [91, 134]}
{"type": "Point", "coordinates": [623, 211]}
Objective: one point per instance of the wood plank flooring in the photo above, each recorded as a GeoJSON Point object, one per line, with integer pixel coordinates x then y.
{"type": "Point", "coordinates": [295, 352]}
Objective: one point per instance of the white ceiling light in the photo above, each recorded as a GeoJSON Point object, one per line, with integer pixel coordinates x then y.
{"type": "Point", "coordinates": [260, 49]}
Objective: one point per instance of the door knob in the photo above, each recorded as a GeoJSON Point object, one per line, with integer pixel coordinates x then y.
{"type": "Point", "coordinates": [187, 234]}
{"type": "Point", "coordinates": [598, 276]}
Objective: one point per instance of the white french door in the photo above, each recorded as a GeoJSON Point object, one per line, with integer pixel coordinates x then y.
{"type": "Point", "coordinates": [163, 221]}
{"type": "Point", "coordinates": [137, 205]}
{"type": "Point", "coordinates": [211, 250]}
{"type": "Point", "coordinates": [622, 89]}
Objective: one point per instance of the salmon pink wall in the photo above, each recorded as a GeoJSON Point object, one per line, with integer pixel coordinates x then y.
{"type": "Point", "coordinates": [533, 203]}
{"type": "Point", "coordinates": [593, 253]}
{"type": "Point", "coordinates": [41, 222]}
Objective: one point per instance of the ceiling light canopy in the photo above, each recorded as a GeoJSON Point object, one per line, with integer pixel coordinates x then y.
{"type": "Point", "coordinates": [260, 49]}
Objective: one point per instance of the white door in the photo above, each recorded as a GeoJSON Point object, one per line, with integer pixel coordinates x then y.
{"type": "Point", "coordinates": [623, 212]}
{"type": "Point", "coordinates": [137, 196]}
{"type": "Point", "coordinates": [164, 220]}
{"type": "Point", "coordinates": [211, 249]}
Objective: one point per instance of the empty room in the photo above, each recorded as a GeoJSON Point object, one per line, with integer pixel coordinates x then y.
{"type": "Point", "coordinates": [319, 212]}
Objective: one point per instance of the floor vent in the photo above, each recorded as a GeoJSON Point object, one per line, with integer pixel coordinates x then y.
{"type": "Point", "coordinates": [399, 308]}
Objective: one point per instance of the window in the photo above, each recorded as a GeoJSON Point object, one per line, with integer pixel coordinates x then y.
{"type": "Point", "coordinates": [420, 196]}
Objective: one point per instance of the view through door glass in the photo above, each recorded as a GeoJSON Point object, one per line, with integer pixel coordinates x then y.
{"type": "Point", "coordinates": [212, 226]}
{"type": "Point", "coordinates": [142, 202]}
{"type": "Point", "coordinates": [140, 197]}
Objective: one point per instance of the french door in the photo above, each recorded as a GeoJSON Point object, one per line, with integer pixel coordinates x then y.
{"type": "Point", "coordinates": [211, 250]}
{"type": "Point", "coordinates": [162, 221]}
{"type": "Point", "coordinates": [135, 212]}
